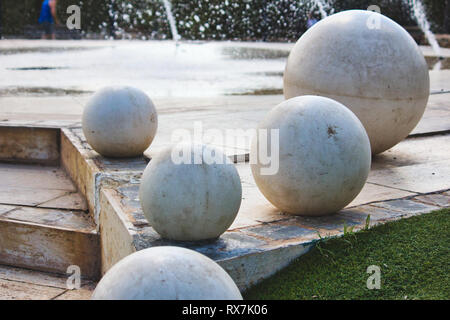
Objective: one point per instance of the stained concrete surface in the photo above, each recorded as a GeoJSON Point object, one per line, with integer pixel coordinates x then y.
{"type": "Point", "coordinates": [23, 284]}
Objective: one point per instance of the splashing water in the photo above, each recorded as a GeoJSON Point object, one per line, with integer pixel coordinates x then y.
{"type": "Point", "coordinates": [437, 66]}
{"type": "Point", "coordinates": [420, 15]}
{"type": "Point", "coordinates": [321, 5]}
{"type": "Point", "coordinates": [173, 26]}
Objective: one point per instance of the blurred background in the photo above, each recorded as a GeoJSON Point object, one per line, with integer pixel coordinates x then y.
{"type": "Point", "coordinates": [269, 20]}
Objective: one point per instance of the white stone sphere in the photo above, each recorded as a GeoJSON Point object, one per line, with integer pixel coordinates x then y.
{"type": "Point", "coordinates": [379, 74]}
{"type": "Point", "coordinates": [190, 201]}
{"type": "Point", "coordinates": [324, 156]}
{"type": "Point", "coordinates": [120, 122]}
{"type": "Point", "coordinates": [166, 273]}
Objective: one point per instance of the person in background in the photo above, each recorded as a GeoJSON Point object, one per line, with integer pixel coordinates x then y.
{"type": "Point", "coordinates": [48, 18]}
{"type": "Point", "coordinates": [311, 20]}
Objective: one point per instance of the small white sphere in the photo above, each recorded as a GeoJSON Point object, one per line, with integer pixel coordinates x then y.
{"type": "Point", "coordinates": [324, 156]}
{"type": "Point", "coordinates": [370, 64]}
{"type": "Point", "coordinates": [192, 197]}
{"type": "Point", "coordinates": [166, 273]}
{"type": "Point", "coordinates": [120, 122]}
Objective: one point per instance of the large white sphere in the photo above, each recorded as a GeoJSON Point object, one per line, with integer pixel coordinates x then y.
{"type": "Point", "coordinates": [166, 273]}
{"type": "Point", "coordinates": [324, 156]}
{"type": "Point", "coordinates": [120, 122]}
{"type": "Point", "coordinates": [190, 201]}
{"type": "Point", "coordinates": [378, 73]}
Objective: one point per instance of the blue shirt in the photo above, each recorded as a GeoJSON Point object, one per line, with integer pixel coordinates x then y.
{"type": "Point", "coordinates": [311, 22]}
{"type": "Point", "coordinates": [46, 13]}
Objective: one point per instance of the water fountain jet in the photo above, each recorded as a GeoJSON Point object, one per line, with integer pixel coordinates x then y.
{"type": "Point", "coordinates": [173, 26]}
{"type": "Point", "coordinates": [320, 4]}
{"type": "Point", "coordinates": [420, 15]}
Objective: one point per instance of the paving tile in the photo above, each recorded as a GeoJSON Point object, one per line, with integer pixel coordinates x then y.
{"type": "Point", "coordinates": [228, 245]}
{"type": "Point", "coordinates": [27, 196]}
{"type": "Point", "coordinates": [72, 201]}
{"type": "Point", "coordinates": [440, 80]}
{"type": "Point", "coordinates": [243, 221]}
{"type": "Point", "coordinates": [332, 222]}
{"type": "Point", "coordinates": [413, 151]}
{"type": "Point", "coordinates": [129, 199]}
{"type": "Point", "coordinates": [434, 199]}
{"type": "Point", "coordinates": [57, 123]}
{"type": "Point", "coordinates": [245, 173]}
{"type": "Point", "coordinates": [4, 209]}
{"type": "Point", "coordinates": [12, 290]}
{"type": "Point", "coordinates": [436, 117]}
{"type": "Point", "coordinates": [255, 208]}
{"type": "Point", "coordinates": [35, 177]}
{"type": "Point", "coordinates": [372, 192]}
{"type": "Point", "coordinates": [34, 277]}
{"type": "Point", "coordinates": [130, 191]}
{"type": "Point", "coordinates": [84, 293]}
{"type": "Point", "coordinates": [75, 220]}
{"type": "Point", "coordinates": [280, 232]}
{"type": "Point", "coordinates": [377, 214]}
{"type": "Point", "coordinates": [38, 277]}
{"type": "Point", "coordinates": [120, 165]}
{"type": "Point", "coordinates": [406, 206]}
{"type": "Point", "coordinates": [421, 178]}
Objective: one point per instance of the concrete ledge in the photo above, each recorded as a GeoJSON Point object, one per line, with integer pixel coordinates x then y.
{"type": "Point", "coordinates": [75, 160]}
{"type": "Point", "coordinates": [262, 240]}
{"type": "Point", "coordinates": [116, 232]}
{"type": "Point", "coordinates": [50, 249]}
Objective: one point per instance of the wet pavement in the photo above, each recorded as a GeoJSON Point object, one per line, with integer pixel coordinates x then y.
{"type": "Point", "coordinates": [160, 68]}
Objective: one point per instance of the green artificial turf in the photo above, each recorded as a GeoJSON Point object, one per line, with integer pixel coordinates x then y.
{"type": "Point", "coordinates": [413, 255]}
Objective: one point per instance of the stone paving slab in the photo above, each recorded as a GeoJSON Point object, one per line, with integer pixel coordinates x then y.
{"type": "Point", "coordinates": [441, 200]}
{"type": "Point", "coordinates": [5, 209]}
{"type": "Point", "coordinates": [34, 277]}
{"type": "Point", "coordinates": [71, 220]}
{"type": "Point", "coordinates": [439, 81]}
{"type": "Point", "coordinates": [435, 118]}
{"type": "Point", "coordinates": [406, 206]}
{"type": "Point", "coordinates": [24, 284]}
{"type": "Point", "coordinates": [373, 193]}
{"type": "Point", "coordinates": [377, 214]}
{"type": "Point", "coordinates": [84, 293]}
{"type": "Point", "coordinates": [12, 290]}
{"type": "Point", "coordinates": [71, 201]}
{"type": "Point", "coordinates": [28, 196]}
{"type": "Point", "coordinates": [37, 177]}
{"type": "Point", "coordinates": [414, 151]}
{"type": "Point", "coordinates": [421, 178]}
{"type": "Point", "coordinates": [33, 185]}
